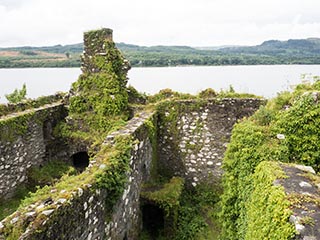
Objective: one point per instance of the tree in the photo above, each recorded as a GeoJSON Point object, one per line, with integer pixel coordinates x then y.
{"type": "Point", "coordinates": [17, 95]}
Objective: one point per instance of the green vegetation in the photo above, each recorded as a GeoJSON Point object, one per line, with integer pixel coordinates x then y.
{"type": "Point", "coordinates": [13, 127]}
{"type": "Point", "coordinates": [231, 93]}
{"type": "Point", "coordinates": [6, 109]}
{"type": "Point", "coordinates": [169, 94]}
{"type": "Point", "coordinates": [208, 93]}
{"type": "Point", "coordinates": [17, 95]}
{"type": "Point", "coordinates": [28, 53]}
{"type": "Point", "coordinates": [300, 124]}
{"type": "Point", "coordinates": [268, 209]}
{"type": "Point", "coordinates": [135, 97]}
{"type": "Point", "coordinates": [284, 130]}
{"type": "Point", "coordinates": [16, 125]}
{"type": "Point", "coordinates": [111, 177]}
{"type": "Point", "coordinates": [99, 100]}
{"type": "Point", "coordinates": [168, 196]}
{"type": "Point", "coordinates": [166, 94]}
{"type": "Point", "coordinates": [190, 213]}
{"type": "Point", "coordinates": [300, 51]}
{"type": "Point", "coordinates": [8, 207]}
{"type": "Point", "coordinates": [197, 217]}
{"type": "Point", "coordinates": [49, 174]}
{"type": "Point", "coordinates": [99, 103]}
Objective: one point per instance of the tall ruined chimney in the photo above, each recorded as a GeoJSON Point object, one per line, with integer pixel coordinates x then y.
{"type": "Point", "coordinates": [94, 45]}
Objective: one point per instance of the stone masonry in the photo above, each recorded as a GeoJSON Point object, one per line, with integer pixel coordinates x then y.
{"type": "Point", "coordinates": [126, 219]}
{"type": "Point", "coordinates": [194, 147]}
{"type": "Point", "coordinates": [17, 155]}
{"type": "Point", "coordinates": [302, 184]}
{"type": "Point", "coordinates": [82, 216]}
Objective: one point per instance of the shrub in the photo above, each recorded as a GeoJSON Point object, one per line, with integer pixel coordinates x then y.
{"type": "Point", "coordinates": [207, 93]}
{"type": "Point", "coordinates": [285, 130]}
{"type": "Point", "coordinates": [17, 95]}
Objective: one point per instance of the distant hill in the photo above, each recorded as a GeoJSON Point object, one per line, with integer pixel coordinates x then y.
{"type": "Point", "coordinates": [305, 47]}
{"type": "Point", "coordinates": [293, 51]}
{"type": "Point", "coordinates": [73, 48]}
{"type": "Point", "coordinates": [217, 47]}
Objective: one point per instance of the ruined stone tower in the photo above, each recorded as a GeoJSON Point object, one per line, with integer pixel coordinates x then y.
{"type": "Point", "coordinates": [94, 45]}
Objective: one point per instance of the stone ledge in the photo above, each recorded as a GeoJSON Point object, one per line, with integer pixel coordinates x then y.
{"type": "Point", "coordinates": [17, 114]}
{"type": "Point", "coordinates": [302, 189]}
{"type": "Point", "coordinates": [131, 126]}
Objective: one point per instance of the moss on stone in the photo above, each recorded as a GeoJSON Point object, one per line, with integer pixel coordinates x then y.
{"type": "Point", "coordinates": [168, 196]}
{"type": "Point", "coordinates": [112, 178]}
{"type": "Point", "coordinates": [13, 127]}
{"type": "Point", "coordinates": [197, 217]}
{"type": "Point", "coordinates": [99, 99]}
{"type": "Point", "coordinates": [6, 109]}
{"type": "Point", "coordinates": [17, 125]}
{"type": "Point", "coordinates": [151, 125]}
{"type": "Point", "coordinates": [284, 130]}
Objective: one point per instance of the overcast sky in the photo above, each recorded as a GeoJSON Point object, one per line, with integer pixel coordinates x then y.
{"type": "Point", "coordinates": [158, 22]}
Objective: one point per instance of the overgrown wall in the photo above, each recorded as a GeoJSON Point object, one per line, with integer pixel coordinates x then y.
{"type": "Point", "coordinates": [104, 201]}
{"type": "Point", "coordinates": [284, 203]}
{"type": "Point", "coordinates": [101, 203]}
{"type": "Point", "coordinates": [126, 218]}
{"type": "Point", "coordinates": [193, 135]}
{"type": "Point", "coordinates": [26, 140]}
{"type": "Point", "coordinates": [6, 109]}
{"type": "Point", "coordinates": [285, 130]}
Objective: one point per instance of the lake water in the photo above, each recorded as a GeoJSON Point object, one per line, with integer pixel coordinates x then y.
{"type": "Point", "coordinates": [262, 80]}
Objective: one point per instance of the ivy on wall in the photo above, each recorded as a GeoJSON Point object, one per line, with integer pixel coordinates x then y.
{"type": "Point", "coordinates": [284, 130]}
{"type": "Point", "coordinates": [98, 100]}
{"type": "Point", "coordinates": [268, 209]}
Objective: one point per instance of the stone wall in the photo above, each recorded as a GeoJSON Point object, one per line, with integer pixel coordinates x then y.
{"type": "Point", "coordinates": [302, 188]}
{"type": "Point", "coordinates": [126, 219]}
{"type": "Point", "coordinates": [80, 212]}
{"type": "Point", "coordinates": [193, 135]}
{"type": "Point", "coordinates": [284, 202]}
{"type": "Point", "coordinates": [94, 45]}
{"type": "Point", "coordinates": [6, 109]}
{"type": "Point", "coordinates": [26, 140]}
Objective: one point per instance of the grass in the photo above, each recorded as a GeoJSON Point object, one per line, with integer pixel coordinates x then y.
{"type": "Point", "coordinates": [8, 207]}
{"type": "Point", "coordinates": [49, 173]}
{"type": "Point", "coordinates": [37, 177]}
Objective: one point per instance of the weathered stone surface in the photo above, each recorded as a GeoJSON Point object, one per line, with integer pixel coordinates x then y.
{"type": "Point", "coordinates": [196, 145]}
{"type": "Point", "coordinates": [195, 152]}
{"type": "Point", "coordinates": [32, 148]}
{"type": "Point", "coordinates": [47, 212]}
{"type": "Point", "coordinates": [305, 197]}
{"type": "Point", "coordinates": [126, 218]}
{"type": "Point", "coordinates": [83, 216]}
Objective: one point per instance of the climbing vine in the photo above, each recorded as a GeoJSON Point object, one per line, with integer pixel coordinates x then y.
{"type": "Point", "coordinates": [268, 208]}
{"type": "Point", "coordinates": [113, 177]}
{"type": "Point", "coordinates": [99, 99]}
{"type": "Point", "coordinates": [284, 130]}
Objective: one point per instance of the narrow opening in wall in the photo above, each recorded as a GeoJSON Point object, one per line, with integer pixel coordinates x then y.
{"type": "Point", "coordinates": [125, 237]}
{"type": "Point", "coordinates": [153, 220]}
{"type": "Point", "coordinates": [80, 160]}
{"type": "Point", "coordinates": [144, 171]}
{"type": "Point", "coordinates": [47, 129]}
